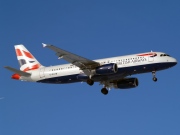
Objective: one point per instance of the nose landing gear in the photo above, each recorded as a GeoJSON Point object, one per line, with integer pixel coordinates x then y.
{"type": "Point", "coordinates": [154, 76]}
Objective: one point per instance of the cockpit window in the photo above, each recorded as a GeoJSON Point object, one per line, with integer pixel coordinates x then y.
{"type": "Point", "coordinates": [164, 55]}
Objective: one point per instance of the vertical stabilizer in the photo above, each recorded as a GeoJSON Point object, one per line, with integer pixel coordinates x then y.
{"type": "Point", "coordinates": [26, 60]}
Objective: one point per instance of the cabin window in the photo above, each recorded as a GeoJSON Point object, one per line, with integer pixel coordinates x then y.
{"type": "Point", "coordinates": [164, 55]}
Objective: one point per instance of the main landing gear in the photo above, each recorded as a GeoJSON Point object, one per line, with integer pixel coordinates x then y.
{"type": "Point", "coordinates": [154, 76]}
{"type": "Point", "coordinates": [90, 82]}
{"type": "Point", "coordinates": [104, 91]}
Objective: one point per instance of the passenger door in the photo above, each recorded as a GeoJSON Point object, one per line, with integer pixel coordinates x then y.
{"type": "Point", "coordinates": [41, 72]}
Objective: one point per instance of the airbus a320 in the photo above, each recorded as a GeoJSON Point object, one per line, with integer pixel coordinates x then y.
{"type": "Point", "coordinates": [114, 72]}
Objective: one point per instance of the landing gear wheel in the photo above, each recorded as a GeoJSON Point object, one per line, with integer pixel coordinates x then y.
{"type": "Point", "coordinates": [90, 82]}
{"type": "Point", "coordinates": [154, 76]}
{"type": "Point", "coordinates": [104, 91]}
{"type": "Point", "coordinates": [154, 79]}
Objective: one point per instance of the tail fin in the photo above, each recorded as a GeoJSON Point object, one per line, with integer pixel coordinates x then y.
{"type": "Point", "coordinates": [26, 60]}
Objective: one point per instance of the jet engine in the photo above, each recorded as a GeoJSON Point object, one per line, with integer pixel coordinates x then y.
{"type": "Point", "coordinates": [126, 83]}
{"type": "Point", "coordinates": [106, 69]}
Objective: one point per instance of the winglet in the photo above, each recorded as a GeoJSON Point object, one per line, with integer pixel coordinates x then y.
{"type": "Point", "coordinates": [44, 45]}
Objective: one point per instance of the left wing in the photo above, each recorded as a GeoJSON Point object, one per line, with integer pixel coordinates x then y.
{"type": "Point", "coordinates": [82, 63]}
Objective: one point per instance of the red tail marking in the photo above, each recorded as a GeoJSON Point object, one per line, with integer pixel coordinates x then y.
{"type": "Point", "coordinates": [18, 52]}
{"type": "Point", "coordinates": [35, 66]}
{"type": "Point", "coordinates": [15, 76]}
{"type": "Point", "coordinates": [32, 68]}
{"type": "Point", "coordinates": [29, 55]}
{"type": "Point", "coordinates": [26, 69]}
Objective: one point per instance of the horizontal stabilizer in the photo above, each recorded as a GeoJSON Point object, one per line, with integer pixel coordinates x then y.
{"type": "Point", "coordinates": [18, 71]}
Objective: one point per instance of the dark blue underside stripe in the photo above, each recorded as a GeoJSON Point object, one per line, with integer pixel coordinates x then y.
{"type": "Point", "coordinates": [122, 72]}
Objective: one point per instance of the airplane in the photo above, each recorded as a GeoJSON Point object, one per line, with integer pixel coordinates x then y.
{"type": "Point", "coordinates": [114, 72]}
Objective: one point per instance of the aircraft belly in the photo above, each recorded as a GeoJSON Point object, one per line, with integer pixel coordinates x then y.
{"type": "Point", "coordinates": [61, 79]}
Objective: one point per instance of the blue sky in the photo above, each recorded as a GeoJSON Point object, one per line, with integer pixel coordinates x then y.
{"type": "Point", "coordinates": [93, 29]}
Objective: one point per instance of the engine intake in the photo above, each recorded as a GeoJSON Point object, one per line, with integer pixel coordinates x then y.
{"type": "Point", "coordinates": [127, 83]}
{"type": "Point", "coordinates": [107, 69]}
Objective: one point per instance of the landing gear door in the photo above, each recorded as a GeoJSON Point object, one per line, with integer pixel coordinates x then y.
{"type": "Point", "coordinates": [41, 72]}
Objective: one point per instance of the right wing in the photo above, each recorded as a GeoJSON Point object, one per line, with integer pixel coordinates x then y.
{"type": "Point", "coordinates": [81, 62]}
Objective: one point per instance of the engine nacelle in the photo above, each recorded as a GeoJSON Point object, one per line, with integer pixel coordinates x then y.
{"type": "Point", "coordinates": [127, 83]}
{"type": "Point", "coordinates": [107, 69]}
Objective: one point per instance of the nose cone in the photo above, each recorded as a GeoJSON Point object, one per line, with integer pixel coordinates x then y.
{"type": "Point", "coordinates": [174, 61]}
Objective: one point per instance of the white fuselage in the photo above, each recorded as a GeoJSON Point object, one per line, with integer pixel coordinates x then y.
{"type": "Point", "coordinates": [127, 65]}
